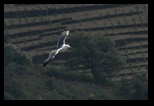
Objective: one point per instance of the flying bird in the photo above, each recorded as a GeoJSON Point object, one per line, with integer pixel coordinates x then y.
{"type": "Point", "coordinates": [61, 46]}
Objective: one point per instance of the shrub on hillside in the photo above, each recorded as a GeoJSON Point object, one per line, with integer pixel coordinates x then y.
{"type": "Point", "coordinates": [135, 89]}
{"type": "Point", "coordinates": [49, 84]}
{"type": "Point", "coordinates": [14, 54]}
{"type": "Point", "coordinates": [68, 75]}
{"type": "Point", "coordinates": [15, 65]}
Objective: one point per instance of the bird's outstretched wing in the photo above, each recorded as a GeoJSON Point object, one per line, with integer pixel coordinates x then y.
{"type": "Point", "coordinates": [51, 56]}
{"type": "Point", "coordinates": [62, 39]}
{"type": "Point", "coordinates": [46, 62]}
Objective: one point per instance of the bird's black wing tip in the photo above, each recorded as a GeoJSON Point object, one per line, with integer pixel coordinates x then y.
{"type": "Point", "coordinates": [43, 66]}
{"type": "Point", "coordinates": [45, 63]}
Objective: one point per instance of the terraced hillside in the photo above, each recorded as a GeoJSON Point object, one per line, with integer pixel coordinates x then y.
{"type": "Point", "coordinates": [35, 28]}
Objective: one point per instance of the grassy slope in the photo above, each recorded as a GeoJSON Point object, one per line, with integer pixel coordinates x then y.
{"type": "Point", "coordinates": [52, 88]}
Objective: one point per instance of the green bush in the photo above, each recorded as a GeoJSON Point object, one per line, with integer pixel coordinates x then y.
{"type": "Point", "coordinates": [7, 96]}
{"type": "Point", "coordinates": [135, 89]}
{"type": "Point", "coordinates": [12, 90]}
{"type": "Point", "coordinates": [62, 73]}
{"type": "Point", "coordinates": [49, 84]}
{"type": "Point", "coordinates": [140, 86]}
{"type": "Point", "coordinates": [9, 52]}
{"type": "Point", "coordinates": [16, 63]}
{"type": "Point", "coordinates": [22, 58]}
{"type": "Point", "coordinates": [14, 54]}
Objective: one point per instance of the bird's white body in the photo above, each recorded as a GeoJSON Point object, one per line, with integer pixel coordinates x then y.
{"type": "Point", "coordinates": [61, 47]}
{"type": "Point", "coordinates": [64, 48]}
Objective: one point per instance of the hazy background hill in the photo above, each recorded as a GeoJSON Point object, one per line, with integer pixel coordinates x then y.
{"type": "Point", "coordinates": [35, 28]}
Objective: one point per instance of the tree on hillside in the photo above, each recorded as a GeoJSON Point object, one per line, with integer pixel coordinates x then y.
{"type": "Point", "coordinates": [95, 52]}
